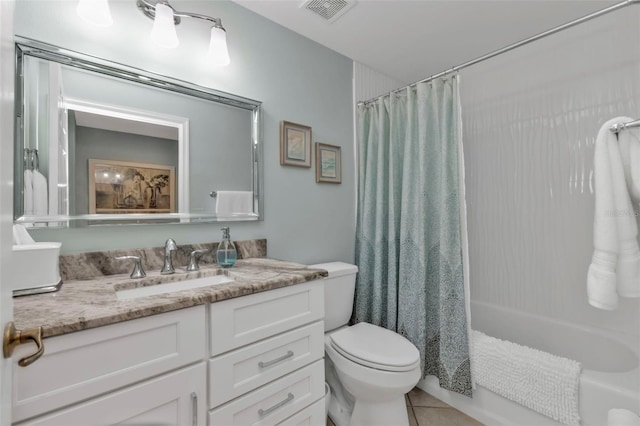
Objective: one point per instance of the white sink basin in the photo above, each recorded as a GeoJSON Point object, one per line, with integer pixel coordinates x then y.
{"type": "Point", "coordinates": [133, 293]}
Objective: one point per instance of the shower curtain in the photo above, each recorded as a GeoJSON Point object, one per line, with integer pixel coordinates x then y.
{"type": "Point", "coordinates": [408, 235]}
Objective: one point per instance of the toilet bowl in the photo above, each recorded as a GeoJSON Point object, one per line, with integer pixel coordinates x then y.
{"type": "Point", "coordinates": [378, 381]}
{"type": "Point", "coordinates": [375, 366]}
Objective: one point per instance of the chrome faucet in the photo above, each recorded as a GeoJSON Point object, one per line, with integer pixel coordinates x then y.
{"type": "Point", "coordinates": [169, 246]}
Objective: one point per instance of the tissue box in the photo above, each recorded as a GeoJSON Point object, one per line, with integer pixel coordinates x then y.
{"type": "Point", "coordinates": [38, 268]}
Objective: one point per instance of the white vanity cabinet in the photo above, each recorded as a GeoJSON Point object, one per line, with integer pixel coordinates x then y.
{"type": "Point", "coordinates": [79, 373]}
{"type": "Point", "coordinates": [256, 359]}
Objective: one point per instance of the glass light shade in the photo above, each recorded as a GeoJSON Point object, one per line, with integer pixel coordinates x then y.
{"type": "Point", "coordinates": [218, 52]}
{"type": "Point", "coordinates": [95, 12]}
{"type": "Point", "coordinates": [164, 29]}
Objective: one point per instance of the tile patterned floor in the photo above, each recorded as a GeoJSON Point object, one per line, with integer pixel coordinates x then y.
{"type": "Point", "coordinates": [426, 410]}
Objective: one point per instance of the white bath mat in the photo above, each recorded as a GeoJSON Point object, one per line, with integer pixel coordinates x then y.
{"type": "Point", "coordinates": [538, 380]}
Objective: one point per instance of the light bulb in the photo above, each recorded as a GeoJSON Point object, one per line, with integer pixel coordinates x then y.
{"type": "Point", "coordinates": [218, 52]}
{"type": "Point", "coordinates": [95, 12]}
{"type": "Point", "coordinates": [164, 29]}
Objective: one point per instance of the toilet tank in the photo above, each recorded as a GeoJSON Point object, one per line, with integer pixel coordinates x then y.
{"type": "Point", "coordinates": [339, 288]}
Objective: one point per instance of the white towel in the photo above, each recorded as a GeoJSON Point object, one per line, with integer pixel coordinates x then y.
{"type": "Point", "coordinates": [28, 192]}
{"type": "Point", "coordinates": [629, 146]}
{"type": "Point", "coordinates": [622, 417]}
{"type": "Point", "coordinates": [21, 236]}
{"type": "Point", "coordinates": [234, 203]}
{"type": "Point", "coordinates": [40, 194]}
{"type": "Point", "coordinates": [615, 265]}
{"type": "Point", "coordinates": [538, 380]}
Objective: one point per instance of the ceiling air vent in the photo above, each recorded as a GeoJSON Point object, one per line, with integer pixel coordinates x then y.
{"type": "Point", "coordinates": [330, 10]}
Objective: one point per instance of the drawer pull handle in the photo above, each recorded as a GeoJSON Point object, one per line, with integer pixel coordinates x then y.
{"type": "Point", "coordinates": [194, 408]}
{"type": "Point", "coordinates": [261, 364]}
{"type": "Point", "coordinates": [270, 410]}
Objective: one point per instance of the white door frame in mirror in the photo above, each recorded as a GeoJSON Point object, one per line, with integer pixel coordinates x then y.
{"type": "Point", "coordinates": [132, 114]}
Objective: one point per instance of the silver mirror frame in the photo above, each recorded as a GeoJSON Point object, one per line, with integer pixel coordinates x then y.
{"type": "Point", "coordinates": [28, 47]}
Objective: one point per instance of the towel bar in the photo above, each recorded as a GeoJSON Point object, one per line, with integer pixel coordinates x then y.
{"type": "Point", "coordinates": [617, 128]}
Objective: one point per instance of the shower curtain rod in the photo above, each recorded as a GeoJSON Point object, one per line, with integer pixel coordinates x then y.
{"type": "Point", "coordinates": [617, 128]}
{"type": "Point", "coordinates": [513, 46]}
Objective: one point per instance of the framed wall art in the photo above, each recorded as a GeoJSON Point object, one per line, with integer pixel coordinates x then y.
{"type": "Point", "coordinates": [126, 187]}
{"type": "Point", "coordinates": [295, 144]}
{"type": "Point", "coordinates": [328, 163]}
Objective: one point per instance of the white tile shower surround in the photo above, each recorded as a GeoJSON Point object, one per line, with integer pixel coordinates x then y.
{"type": "Point", "coordinates": [426, 410]}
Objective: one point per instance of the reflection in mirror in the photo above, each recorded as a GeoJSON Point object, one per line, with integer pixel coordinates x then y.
{"type": "Point", "coordinates": [139, 154]}
{"type": "Point", "coordinates": [101, 143]}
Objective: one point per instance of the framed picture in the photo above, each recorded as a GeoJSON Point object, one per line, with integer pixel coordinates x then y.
{"type": "Point", "coordinates": [125, 187]}
{"type": "Point", "coordinates": [328, 163]}
{"type": "Point", "coordinates": [295, 144]}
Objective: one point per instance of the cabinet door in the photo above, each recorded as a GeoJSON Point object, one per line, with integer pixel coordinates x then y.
{"type": "Point", "coordinates": [177, 399]}
{"type": "Point", "coordinates": [89, 363]}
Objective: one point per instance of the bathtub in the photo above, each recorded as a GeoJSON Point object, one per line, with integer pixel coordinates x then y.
{"type": "Point", "coordinates": [610, 374]}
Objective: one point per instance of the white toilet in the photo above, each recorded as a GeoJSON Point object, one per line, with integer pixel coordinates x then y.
{"type": "Point", "coordinates": [376, 366]}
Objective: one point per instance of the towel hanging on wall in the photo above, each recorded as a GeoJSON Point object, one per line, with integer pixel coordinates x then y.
{"type": "Point", "coordinates": [28, 192]}
{"type": "Point", "coordinates": [234, 203]}
{"type": "Point", "coordinates": [40, 194]}
{"type": "Point", "coordinates": [615, 265]}
{"type": "Point", "coordinates": [36, 191]}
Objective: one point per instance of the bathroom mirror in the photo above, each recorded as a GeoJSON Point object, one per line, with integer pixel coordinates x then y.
{"type": "Point", "coordinates": [102, 143]}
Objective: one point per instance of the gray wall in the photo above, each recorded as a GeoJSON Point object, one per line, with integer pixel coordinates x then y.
{"type": "Point", "coordinates": [296, 79]}
{"type": "Point", "coordinates": [530, 121]}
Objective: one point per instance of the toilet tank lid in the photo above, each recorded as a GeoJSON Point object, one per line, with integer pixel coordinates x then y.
{"type": "Point", "coordinates": [336, 269]}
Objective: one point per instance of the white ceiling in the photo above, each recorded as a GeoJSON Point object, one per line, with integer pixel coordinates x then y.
{"type": "Point", "coordinates": [411, 40]}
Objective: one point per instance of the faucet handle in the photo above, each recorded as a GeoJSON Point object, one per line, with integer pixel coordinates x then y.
{"type": "Point", "coordinates": [193, 259]}
{"type": "Point", "coordinates": [137, 272]}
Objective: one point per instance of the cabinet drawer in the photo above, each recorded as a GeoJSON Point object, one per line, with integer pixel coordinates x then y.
{"type": "Point", "coordinates": [243, 320]}
{"type": "Point", "coordinates": [274, 402]}
{"type": "Point", "coordinates": [79, 366]}
{"type": "Point", "coordinates": [173, 399]}
{"type": "Point", "coordinates": [310, 416]}
{"type": "Point", "coordinates": [239, 371]}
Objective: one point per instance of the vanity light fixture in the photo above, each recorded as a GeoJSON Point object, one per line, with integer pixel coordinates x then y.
{"type": "Point", "coordinates": [163, 32]}
{"type": "Point", "coordinates": [166, 18]}
{"type": "Point", "coordinates": [95, 12]}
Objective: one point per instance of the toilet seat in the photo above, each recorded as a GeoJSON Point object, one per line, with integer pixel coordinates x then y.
{"type": "Point", "coordinates": [375, 347]}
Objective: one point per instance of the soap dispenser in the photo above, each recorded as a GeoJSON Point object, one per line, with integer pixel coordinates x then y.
{"type": "Point", "coordinates": [226, 254]}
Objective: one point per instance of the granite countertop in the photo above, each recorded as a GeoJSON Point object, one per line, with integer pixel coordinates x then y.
{"type": "Point", "coordinates": [84, 304]}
